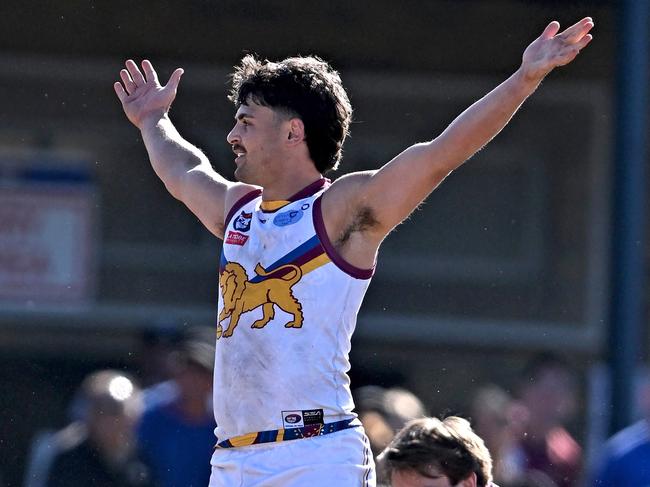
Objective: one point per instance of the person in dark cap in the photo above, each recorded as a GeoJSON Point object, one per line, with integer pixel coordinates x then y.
{"type": "Point", "coordinates": [99, 448]}
{"type": "Point", "coordinates": [176, 432]}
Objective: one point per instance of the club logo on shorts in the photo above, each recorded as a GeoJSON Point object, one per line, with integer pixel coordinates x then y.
{"type": "Point", "coordinates": [243, 222]}
{"type": "Point", "coordinates": [300, 419]}
{"type": "Point", "coordinates": [312, 416]}
{"type": "Point", "coordinates": [292, 419]}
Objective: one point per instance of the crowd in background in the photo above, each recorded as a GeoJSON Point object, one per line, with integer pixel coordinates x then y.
{"type": "Point", "coordinates": [121, 435]}
{"type": "Point", "coordinates": [161, 435]}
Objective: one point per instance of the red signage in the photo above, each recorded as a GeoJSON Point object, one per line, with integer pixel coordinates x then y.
{"type": "Point", "coordinates": [46, 243]}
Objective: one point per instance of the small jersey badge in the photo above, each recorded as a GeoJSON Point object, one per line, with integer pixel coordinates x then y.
{"type": "Point", "coordinates": [292, 419]}
{"type": "Point", "coordinates": [236, 238]}
{"type": "Point", "coordinates": [243, 222]}
{"type": "Point", "coordinates": [287, 218]}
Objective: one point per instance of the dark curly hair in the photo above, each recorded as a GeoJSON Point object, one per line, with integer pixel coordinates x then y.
{"type": "Point", "coordinates": [303, 87]}
{"type": "Point", "coordinates": [449, 445]}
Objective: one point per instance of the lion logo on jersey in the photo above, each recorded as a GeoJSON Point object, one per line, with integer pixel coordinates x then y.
{"type": "Point", "coordinates": [240, 296]}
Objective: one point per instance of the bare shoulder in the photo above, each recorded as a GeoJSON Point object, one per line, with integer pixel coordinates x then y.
{"type": "Point", "coordinates": [345, 190]}
{"type": "Point", "coordinates": [343, 196]}
{"type": "Point", "coordinates": [344, 209]}
{"type": "Point", "coordinates": [235, 192]}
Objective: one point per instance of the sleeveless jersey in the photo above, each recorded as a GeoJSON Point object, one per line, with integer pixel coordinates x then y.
{"type": "Point", "coordinates": [287, 309]}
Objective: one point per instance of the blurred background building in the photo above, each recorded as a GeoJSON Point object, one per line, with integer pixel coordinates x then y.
{"type": "Point", "coordinates": [509, 257]}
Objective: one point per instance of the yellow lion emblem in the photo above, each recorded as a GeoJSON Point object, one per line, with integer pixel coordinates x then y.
{"type": "Point", "coordinates": [240, 296]}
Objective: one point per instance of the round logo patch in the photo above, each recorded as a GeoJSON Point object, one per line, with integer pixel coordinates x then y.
{"type": "Point", "coordinates": [287, 218]}
{"type": "Point", "coordinates": [292, 418]}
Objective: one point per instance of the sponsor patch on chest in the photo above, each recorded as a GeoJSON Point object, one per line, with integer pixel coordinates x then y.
{"type": "Point", "coordinates": [236, 238]}
{"type": "Point", "coordinates": [287, 218]}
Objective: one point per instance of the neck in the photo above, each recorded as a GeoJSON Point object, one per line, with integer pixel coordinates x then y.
{"type": "Point", "coordinates": [284, 189]}
{"type": "Point", "coordinates": [295, 174]}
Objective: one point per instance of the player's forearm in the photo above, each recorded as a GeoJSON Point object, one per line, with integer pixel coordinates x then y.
{"type": "Point", "coordinates": [483, 120]}
{"type": "Point", "coordinates": [170, 154]}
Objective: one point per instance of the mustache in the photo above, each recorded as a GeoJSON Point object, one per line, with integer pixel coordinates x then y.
{"type": "Point", "coordinates": [236, 147]}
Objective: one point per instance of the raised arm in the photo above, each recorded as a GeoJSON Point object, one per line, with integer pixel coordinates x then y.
{"type": "Point", "coordinates": [183, 168]}
{"type": "Point", "coordinates": [389, 195]}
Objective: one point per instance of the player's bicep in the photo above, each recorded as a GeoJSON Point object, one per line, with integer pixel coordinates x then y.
{"type": "Point", "coordinates": [395, 190]}
{"type": "Point", "coordinates": [203, 191]}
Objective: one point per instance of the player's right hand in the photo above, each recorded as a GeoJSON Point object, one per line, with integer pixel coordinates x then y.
{"type": "Point", "coordinates": [142, 96]}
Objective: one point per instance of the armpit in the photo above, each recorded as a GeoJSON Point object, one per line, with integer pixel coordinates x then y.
{"type": "Point", "coordinates": [364, 220]}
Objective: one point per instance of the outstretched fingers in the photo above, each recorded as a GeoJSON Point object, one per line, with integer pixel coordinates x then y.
{"type": "Point", "coordinates": [583, 42]}
{"type": "Point", "coordinates": [551, 29]}
{"type": "Point", "coordinates": [577, 31]}
{"type": "Point", "coordinates": [175, 79]}
{"type": "Point", "coordinates": [129, 85]}
{"type": "Point", "coordinates": [142, 84]}
{"type": "Point", "coordinates": [135, 73]}
{"type": "Point", "coordinates": [119, 91]}
{"type": "Point", "coordinates": [149, 72]}
{"type": "Point", "coordinates": [570, 51]}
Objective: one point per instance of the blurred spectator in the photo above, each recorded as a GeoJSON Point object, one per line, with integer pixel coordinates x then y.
{"type": "Point", "coordinates": [176, 431]}
{"type": "Point", "coordinates": [429, 452]}
{"type": "Point", "coordinates": [492, 413]}
{"type": "Point", "coordinates": [155, 344]}
{"type": "Point", "coordinates": [545, 454]}
{"type": "Point", "coordinates": [626, 459]}
{"type": "Point", "coordinates": [383, 412]}
{"type": "Point", "coordinates": [153, 365]}
{"type": "Point", "coordinates": [99, 449]}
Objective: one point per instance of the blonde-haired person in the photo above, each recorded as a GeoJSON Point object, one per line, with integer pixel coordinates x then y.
{"type": "Point", "coordinates": [430, 452]}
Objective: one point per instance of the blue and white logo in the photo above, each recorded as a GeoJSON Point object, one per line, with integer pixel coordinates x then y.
{"type": "Point", "coordinates": [243, 222]}
{"type": "Point", "coordinates": [287, 218]}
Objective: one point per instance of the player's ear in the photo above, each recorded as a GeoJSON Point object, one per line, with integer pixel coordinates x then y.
{"type": "Point", "coordinates": [470, 481]}
{"type": "Point", "coordinates": [296, 132]}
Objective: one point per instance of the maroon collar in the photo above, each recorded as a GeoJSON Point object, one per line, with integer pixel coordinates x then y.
{"type": "Point", "coordinates": [271, 206]}
{"type": "Point", "coordinates": [310, 189]}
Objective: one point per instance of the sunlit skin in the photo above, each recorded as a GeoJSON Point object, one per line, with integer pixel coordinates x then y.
{"type": "Point", "coordinates": [266, 143]}
{"type": "Point", "coordinates": [359, 209]}
{"type": "Point", "coordinates": [412, 478]}
{"type": "Point", "coordinates": [189, 176]}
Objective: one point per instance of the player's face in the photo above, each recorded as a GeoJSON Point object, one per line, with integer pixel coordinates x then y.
{"type": "Point", "coordinates": [257, 141]}
{"type": "Point", "coordinates": [434, 478]}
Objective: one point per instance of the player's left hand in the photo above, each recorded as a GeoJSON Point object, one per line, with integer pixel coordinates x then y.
{"type": "Point", "coordinates": [551, 49]}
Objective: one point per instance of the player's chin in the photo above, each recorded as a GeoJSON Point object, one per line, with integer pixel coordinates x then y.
{"type": "Point", "coordinates": [241, 174]}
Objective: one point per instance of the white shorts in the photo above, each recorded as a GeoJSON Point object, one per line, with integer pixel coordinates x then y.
{"type": "Point", "coordinates": [341, 459]}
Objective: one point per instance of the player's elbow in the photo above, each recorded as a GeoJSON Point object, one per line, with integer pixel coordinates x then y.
{"type": "Point", "coordinates": [174, 188]}
{"type": "Point", "coordinates": [443, 157]}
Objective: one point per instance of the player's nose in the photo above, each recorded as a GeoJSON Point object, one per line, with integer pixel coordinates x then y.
{"type": "Point", "coordinates": [233, 136]}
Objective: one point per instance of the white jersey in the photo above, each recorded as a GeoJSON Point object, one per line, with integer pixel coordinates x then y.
{"type": "Point", "coordinates": [287, 309]}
